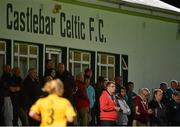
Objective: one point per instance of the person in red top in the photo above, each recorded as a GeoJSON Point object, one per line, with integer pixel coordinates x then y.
{"type": "Point", "coordinates": [141, 108]}
{"type": "Point", "coordinates": [82, 101]}
{"type": "Point", "coordinates": [108, 105]}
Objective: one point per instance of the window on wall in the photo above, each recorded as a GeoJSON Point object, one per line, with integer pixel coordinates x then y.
{"type": "Point", "coordinates": [79, 61]}
{"type": "Point", "coordinates": [2, 54]}
{"type": "Point", "coordinates": [106, 66]}
{"type": "Point", "coordinates": [125, 69]}
{"type": "Point", "coordinates": [25, 57]}
{"type": "Point", "coordinates": [124, 64]}
{"type": "Point", "coordinates": [54, 54]}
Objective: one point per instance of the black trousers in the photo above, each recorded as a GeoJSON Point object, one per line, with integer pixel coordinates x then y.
{"type": "Point", "coordinates": [108, 123]}
{"type": "Point", "coordinates": [130, 119]}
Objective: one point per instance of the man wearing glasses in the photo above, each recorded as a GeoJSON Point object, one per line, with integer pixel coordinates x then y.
{"type": "Point", "coordinates": [108, 105]}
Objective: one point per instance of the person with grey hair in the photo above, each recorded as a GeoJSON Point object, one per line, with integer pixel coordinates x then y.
{"type": "Point", "coordinates": [142, 111]}
{"type": "Point", "coordinates": [32, 91]}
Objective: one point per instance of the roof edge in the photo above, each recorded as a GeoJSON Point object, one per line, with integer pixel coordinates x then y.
{"type": "Point", "coordinates": [114, 7]}
{"type": "Point", "coordinates": [145, 7]}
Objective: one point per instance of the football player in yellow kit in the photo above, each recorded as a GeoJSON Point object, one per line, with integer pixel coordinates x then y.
{"type": "Point", "coordinates": [53, 110]}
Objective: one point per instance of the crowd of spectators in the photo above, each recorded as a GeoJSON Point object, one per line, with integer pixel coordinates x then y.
{"type": "Point", "coordinates": [101, 103]}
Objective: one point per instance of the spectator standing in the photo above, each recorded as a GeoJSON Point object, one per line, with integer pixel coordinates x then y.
{"type": "Point", "coordinates": [19, 99]}
{"type": "Point", "coordinates": [172, 89]}
{"type": "Point", "coordinates": [92, 98]}
{"type": "Point", "coordinates": [15, 92]}
{"type": "Point", "coordinates": [99, 87]}
{"type": "Point", "coordinates": [142, 112]}
{"type": "Point", "coordinates": [165, 99]}
{"type": "Point", "coordinates": [68, 81]}
{"type": "Point", "coordinates": [130, 102]}
{"type": "Point", "coordinates": [125, 110]}
{"type": "Point", "coordinates": [6, 103]}
{"type": "Point", "coordinates": [174, 110]}
{"type": "Point", "coordinates": [82, 101]}
{"type": "Point", "coordinates": [109, 106]}
{"type": "Point", "coordinates": [158, 117]}
{"type": "Point", "coordinates": [32, 91]}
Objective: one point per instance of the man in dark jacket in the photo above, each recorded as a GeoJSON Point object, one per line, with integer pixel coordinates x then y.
{"type": "Point", "coordinates": [15, 88]}
{"type": "Point", "coordinates": [68, 81]}
{"type": "Point", "coordinates": [18, 98]}
{"type": "Point", "coordinates": [172, 89]}
{"type": "Point", "coordinates": [32, 91]}
{"type": "Point", "coordinates": [6, 80]}
{"type": "Point", "coordinates": [158, 117]}
{"type": "Point", "coordinates": [174, 110]}
{"type": "Point", "coordinates": [130, 95]}
{"type": "Point", "coordinates": [6, 111]}
{"type": "Point", "coordinates": [99, 87]}
{"type": "Point", "coordinates": [165, 98]}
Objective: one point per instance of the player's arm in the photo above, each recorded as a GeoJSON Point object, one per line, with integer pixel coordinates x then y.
{"type": "Point", "coordinates": [35, 111]}
{"type": "Point", "coordinates": [70, 113]}
{"type": "Point", "coordinates": [34, 115]}
{"type": "Point", "coordinates": [70, 118]}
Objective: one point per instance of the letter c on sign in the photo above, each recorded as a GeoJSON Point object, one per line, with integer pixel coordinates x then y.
{"type": "Point", "coordinates": [9, 10]}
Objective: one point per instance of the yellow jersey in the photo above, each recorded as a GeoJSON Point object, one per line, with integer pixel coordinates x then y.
{"type": "Point", "coordinates": [53, 110]}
